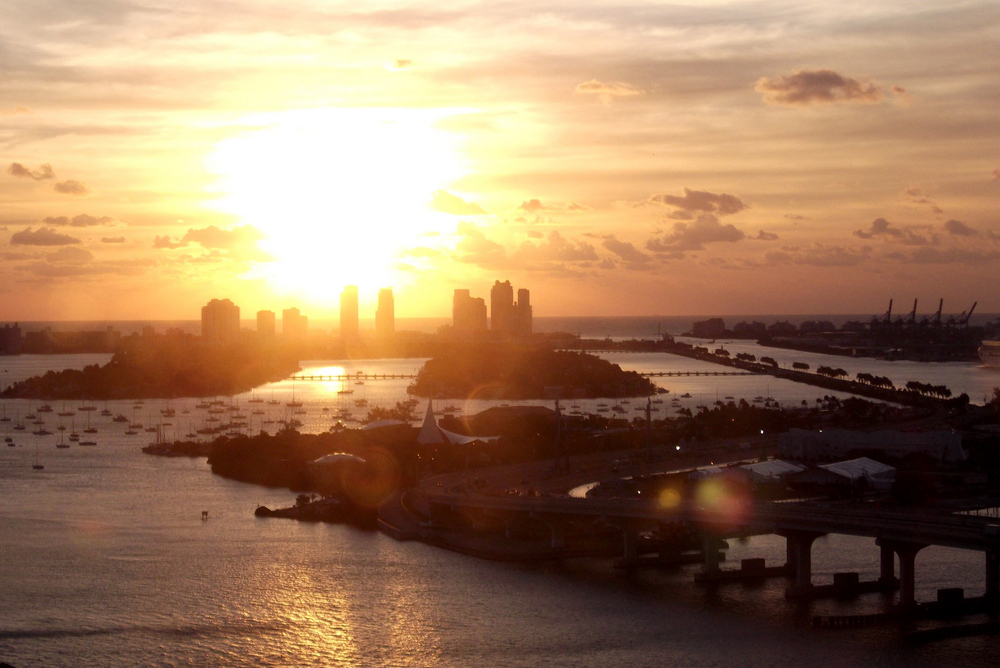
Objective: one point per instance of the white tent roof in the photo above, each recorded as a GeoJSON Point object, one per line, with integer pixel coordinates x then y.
{"type": "Point", "coordinates": [862, 467]}
{"type": "Point", "coordinates": [431, 433]}
{"type": "Point", "coordinates": [378, 424]}
{"type": "Point", "coordinates": [773, 468]}
{"type": "Point", "coordinates": [336, 458]}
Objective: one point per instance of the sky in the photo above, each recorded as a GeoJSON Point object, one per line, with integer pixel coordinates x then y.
{"type": "Point", "coordinates": [615, 158]}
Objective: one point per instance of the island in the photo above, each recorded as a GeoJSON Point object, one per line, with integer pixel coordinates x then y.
{"type": "Point", "coordinates": [516, 372]}
{"type": "Point", "coordinates": [164, 366]}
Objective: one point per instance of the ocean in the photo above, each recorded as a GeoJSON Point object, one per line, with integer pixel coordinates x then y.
{"type": "Point", "coordinates": [107, 562]}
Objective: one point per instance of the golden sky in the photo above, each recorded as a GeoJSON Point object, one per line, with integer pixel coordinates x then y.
{"type": "Point", "coordinates": [616, 158]}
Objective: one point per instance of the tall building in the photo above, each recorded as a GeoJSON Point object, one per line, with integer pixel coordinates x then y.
{"type": "Point", "coordinates": [468, 314]}
{"type": "Point", "coordinates": [508, 317]}
{"type": "Point", "coordinates": [522, 314]}
{"type": "Point", "coordinates": [385, 314]}
{"type": "Point", "coordinates": [10, 340]}
{"type": "Point", "coordinates": [265, 324]}
{"type": "Point", "coordinates": [349, 313]}
{"type": "Point", "coordinates": [294, 325]}
{"type": "Point", "coordinates": [220, 321]}
{"type": "Point", "coordinates": [501, 307]}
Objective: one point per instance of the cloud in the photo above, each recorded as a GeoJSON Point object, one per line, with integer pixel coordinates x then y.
{"type": "Point", "coordinates": [765, 236]}
{"type": "Point", "coordinates": [422, 251]}
{"type": "Point", "coordinates": [43, 172]}
{"type": "Point", "coordinates": [43, 236]}
{"type": "Point", "coordinates": [112, 240]}
{"type": "Point", "coordinates": [880, 227]}
{"type": "Point", "coordinates": [531, 205]}
{"type": "Point", "coordinates": [794, 216]}
{"type": "Point", "coordinates": [445, 202]}
{"type": "Point", "coordinates": [535, 234]}
{"type": "Point", "coordinates": [71, 187]}
{"type": "Point", "coordinates": [165, 242]}
{"type": "Point", "coordinates": [475, 248]}
{"type": "Point", "coordinates": [15, 111]}
{"type": "Point", "coordinates": [946, 256]}
{"type": "Point", "coordinates": [70, 254]}
{"type": "Point", "coordinates": [959, 229]}
{"type": "Point", "coordinates": [702, 201]}
{"type": "Point", "coordinates": [606, 92]}
{"type": "Point", "coordinates": [83, 220]}
{"type": "Point", "coordinates": [995, 175]}
{"type": "Point", "coordinates": [818, 255]}
{"type": "Point", "coordinates": [631, 257]}
{"type": "Point", "coordinates": [917, 196]}
{"type": "Point", "coordinates": [706, 229]}
{"type": "Point", "coordinates": [556, 248]}
{"type": "Point", "coordinates": [399, 64]}
{"type": "Point", "coordinates": [805, 87]}
{"type": "Point", "coordinates": [214, 237]}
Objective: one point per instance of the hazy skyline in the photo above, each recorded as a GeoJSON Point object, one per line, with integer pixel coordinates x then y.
{"type": "Point", "coordinates": [615, 158]}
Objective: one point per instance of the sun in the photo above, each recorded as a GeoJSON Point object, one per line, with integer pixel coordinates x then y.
{"type": "Point", "coordinates": [338, 193]}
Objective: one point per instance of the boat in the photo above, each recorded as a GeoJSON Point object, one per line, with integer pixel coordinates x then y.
{"type": "Point", "coordinates": [4, 418]}
{"type": "Point", "coordinates": [686, 395]}
{"type": "Point", "coordinates": [89, 429]}
{"type": "Point", "coordinates": [119, 418]}
{"type": "Point", "coordinates": [61, 444]}
{"type": "Point", "coordinates": [42, 432]}
{"type": "Point", "coordinates": [45, 409]}
{"type": "Point", "coordinates": [989, 353]}
{"type": "Point", "coordinates": [38, 466]}
{"type": "Point", "coordinates": [87, 443]}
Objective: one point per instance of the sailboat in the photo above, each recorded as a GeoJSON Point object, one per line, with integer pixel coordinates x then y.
{"type": "Point", "coordinates": [61, 444]}
{"type": "Point", "coordinates": [89, 429]}
{"type": "Point", "coordinates": [293, 403]}
{"type": "Point", "coordinates": [37, 465]}
{"type": "Point", "coordinates": [4, 418]}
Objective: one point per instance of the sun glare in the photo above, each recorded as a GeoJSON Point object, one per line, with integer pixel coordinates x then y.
{"type": "Point", "coordinates": [337, 193]}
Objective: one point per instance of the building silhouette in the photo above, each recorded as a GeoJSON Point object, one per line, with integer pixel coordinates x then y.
{"type": "Point", "coordinates": [220, 321]}
{"type": "Point", "coordinates": [507, 317]}
{"type": "Point", "coordinates": [468, 314]}
{"type": "Point", "coordinates": [349, 313]}
{"type": "Point", "coordinates": [10, 340]}
{"type": "Point", "coordinates": [294, 325]}
{"type": "Point", "coordinates": [265, 324]}
{"type": "Point", "coordinates": [385, 314]}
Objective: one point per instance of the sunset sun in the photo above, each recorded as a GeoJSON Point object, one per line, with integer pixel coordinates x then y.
{"type": "Point", "coordinates": [336, 194]}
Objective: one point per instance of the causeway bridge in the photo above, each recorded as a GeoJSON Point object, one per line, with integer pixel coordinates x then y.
{"type": "Point", "coordinates": [897, 533]}
{"type": "Point", "coordinates": [361, 376]}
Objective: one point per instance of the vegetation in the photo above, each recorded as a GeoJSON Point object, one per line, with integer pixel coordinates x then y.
{"type": "Point", "coordinates": [505, 372]}
{"type": "Point", "coordinates": [163, 366]}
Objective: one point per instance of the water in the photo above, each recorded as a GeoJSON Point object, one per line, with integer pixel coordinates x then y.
{"type": "Point", "coordinates": [106, 561]}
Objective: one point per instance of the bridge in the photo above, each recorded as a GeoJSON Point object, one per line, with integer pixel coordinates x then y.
{"type": "Point", "coordinates": [897, 533]}
{"type": "Point", "coordinates": [360, 376]}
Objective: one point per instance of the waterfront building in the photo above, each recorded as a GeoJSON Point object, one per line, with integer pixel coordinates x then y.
{"type": "Point", "coordinates": [943, 445]}
{"type": "Point", "coordinates": [501, 307]}
{"type": "Point", "coordinates": [220, 321]}
{"type": "Point", "coordinates": [508, 317]}
{"type": "Point", "coordinates": [349, 313]}
{"type": "Point", "coordinates": [468, 314]}
{"type": "Point", "coordinates": [385, 314]}
{"type": "Point", "coordinates": [294, 325]}
{"type": "Point", "coordinates": [10, 340]}
{"type": "Point", "coordinates": [265, 324]}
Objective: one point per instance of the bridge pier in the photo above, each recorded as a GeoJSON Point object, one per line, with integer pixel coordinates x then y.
{"type": "Point", "coordinates": [992, 576]}
{"type": "Point", "coordinates": [711, 546]}
{"type": "Point", "coordinates": [907, 553]}
{"type": "Point", "coordinates": [557, 535]}
{"type": "Point", "coordinates": [887, 565]}
{"type": "Point", "coordinates": [798, 552]}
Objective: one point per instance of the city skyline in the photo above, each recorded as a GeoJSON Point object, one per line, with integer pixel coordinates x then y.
{"type": "Point", "coordinates": [729, 158]}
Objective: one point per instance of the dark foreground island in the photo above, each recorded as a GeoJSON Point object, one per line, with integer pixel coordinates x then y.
{"type": "Point", "coordinates": [164, 366]}
{"type": "Point", "coordinates": [512, 372]}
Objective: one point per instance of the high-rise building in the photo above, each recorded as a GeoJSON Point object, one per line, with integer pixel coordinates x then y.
{"type": "Point", "coordinates": [501, 307]}
{"type": "Point", "coordinates": [468, 314]}
{"type": "Point", "coordinates": [265, 324]}
{"type": "Point", "coordinates": [522, 314]}
{"type": "Point", "coordinates": [10, 340]}
{"type": "Point", "coordinates": [220, 321]}
{"type": "Point", "coordinates": [294, 325]}
{"type": "Point", "coordinates": [385, 314]}
{"type": "Point", "coordinates": [349, 313]}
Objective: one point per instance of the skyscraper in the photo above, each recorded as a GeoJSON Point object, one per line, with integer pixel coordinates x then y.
{"type": "Point", "coordinates": [220, 321]}
{"type": "Point", "coordinates": [349, 313]}
{"type": "Point", "coordinates": [265, 324]}
{"type": "Point", "coordinates": [501, 307]}
{"type": "Point", "coordinates": [468, 314]}
{"type": "Point", "coordinates": [522, 314]}
{"type": "Point", "coordinates": [294, 325]}
{"type": "Point", "coordinates": [385, 314]}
